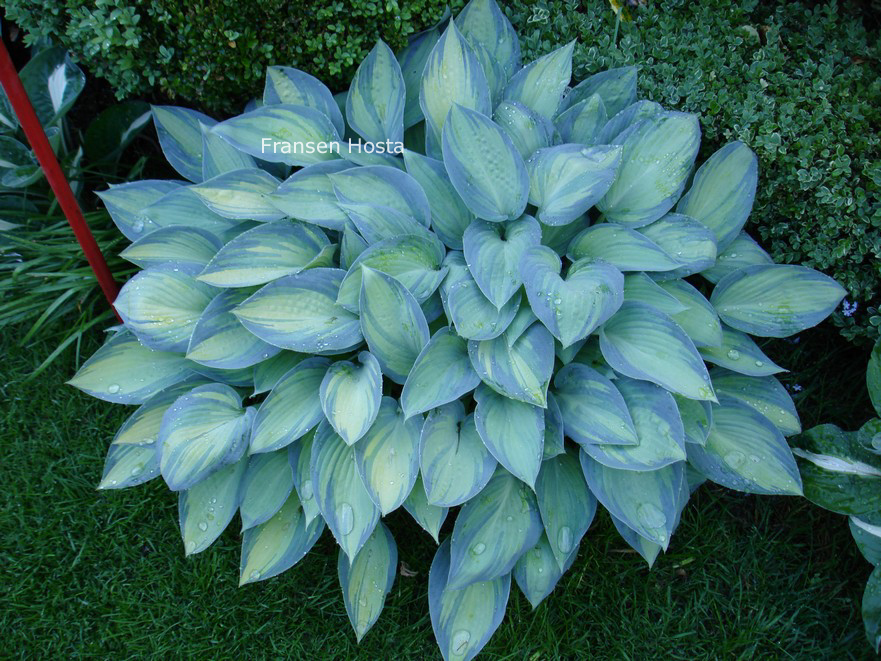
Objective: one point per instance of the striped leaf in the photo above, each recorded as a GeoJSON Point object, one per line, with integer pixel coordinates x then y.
{"type": "Point", "coordinates": [540, 84]}
{"type": "Point", "coordinates": [582, 122]}
{"type": "Point", "coordinates": [187, 249]}
{"type": "Point", "coordinates": [308, 195]}
{"type": "Point", "coordinates": [180, 136]}
{"type": "Point", "coordinates": [291, 86]}
{"type": "Point", "coordinates": [429, 517]}
{"type": "Point", "coordinates": [699, 320]}
{"type": "Point", "coordinates": [742, 251]}
{"type": "Point", "coordinates": [376, 99]}
{"type": "Point", "coordinates": [697, 418]}
{"type": "Point", "coordinates": [205, 509]}
{"type": "Point", "coordinates": [266, 485]}
{"type": "Point", "coordinates": [693, 244]}
{"type": "Point", "coordinates": [626, 118]}
{"type": "Point", "coordinates": [125, 204]}
{"type": "Point", "coordinates": [554, 441]}
{"type": "Point", "coordinates": [622, 247]}
{"type": "Point", "coordinates": [412, 60]}
{"type": "Point", "coordinates": [268, 372]}
{"type": "Point", "coordinates": [128, 465]}
{"type": "Point", "coordinates": [483, 22]}
{"type": "Point", "coordinates": [301, 455]}
{"type": "Point", "coordinates": [380, 185]}
{"type": "Point", "coordinates": [241, 194]}
{"type": "Point", "coordinates": [739, 353]}
{"type": "Point", "coordinates": [350, 396]}
{"type": "Point", "coordinates": [368, 579]}
{"type": "Point", "coordinates": [537, 572]}
{"type": "Point", "coordinates": [528, 130]}
{"type": "Point", "coordinates": [640, 288]}
{"type": "Point", "coordinates": [182, 206]}
{"type": "Point", "coordinates": [616, 87]}
{"type": "Point", "coordinates": [765, 394]}
{"type": "Point", "coordinates": [220, 157]}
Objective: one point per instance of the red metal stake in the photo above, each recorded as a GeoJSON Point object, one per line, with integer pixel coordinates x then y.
{"type": "Point", "coordinates": [33, 130]}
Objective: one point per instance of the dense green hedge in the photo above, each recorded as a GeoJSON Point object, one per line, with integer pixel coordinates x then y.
{"type": "Point", "coordinates": [800, 86]}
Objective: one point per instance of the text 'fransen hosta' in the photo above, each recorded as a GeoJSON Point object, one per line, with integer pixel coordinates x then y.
{"type": "Point", "coordinates": [512, 317]}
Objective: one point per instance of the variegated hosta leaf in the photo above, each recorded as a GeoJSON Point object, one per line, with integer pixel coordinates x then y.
{"type": "Point", "coordinates": [645, 501]}
{"type": "Point", "coordinates": [528, 130]}
{"type": "Point", "coordinates": [392, 322]}
{"type": "Point", "coordinates": [463, 620]}
{"type": "Point", "coordinates": [292, 86]}
{"type": "Point", "coordinates": [567, 180]}
{"type": "Point", "coordinates": [776, 300]}
{"type": "Point", "coordinates": [301, 455]}
{"type": "Point", "coordinates": [699, 320]}
{"type": "Point", "coordinates": [382, 186]}
{"type": "Point", "coordinates": [516, 368]}
{"type": "Point", "coordinates": [308, 195]}
{"type": "Point", "coordinates": [343, 500]}
{"type": "Point", "coordinates": [640, 288]}
{"type": "Point", "coordinates": [187, 249]}
{"type": "Point", "coordinates": [540, 85]}
{"type": "Point", "coordinates": [350, 396]}
{"type": "Point", "coordinates": [745, 452]}
{"type": "Point", "coordinates": [412, 60]}
{"type": "Point", "coordinates": [873, 377]}
{"type": "Point", "coordinates": [375, 103]}
{"type": "Point", "coordinates": [626, 118]}
{"type": "Point", "coordinates": [206, 508]}
{"type": "Point", "coordinates": [220, 157]}
{"type": "Point", "coordinates": [128, 465]}
{"type": "Point", "coordinates": [658, 426]}
{"type": "Point", "coordinates": [658, 155]}
{"type": "Point", "coordinates": [643, 343]}
{"type": "Point", "coordinates": [593, 410]}
{"type": "Point", "coordinates": [241, 194]}
{"type": "Point", "coordinates": [161, 306]}
{"type": "Point", "coordinates": [266, 485]}
{"type": "Point", "coordinates": [452, 76]}
{"type": "Point", "coordinates": [278, 544]}
{"type": "Point", "coordinates": [739, 353]}
{"type": "Point", "coordinates": [352, 245]}
{"type": "Point", "coordinates": [291, 409]}
{"type": "Point", "coordinates": [455, 463]}
{"type": "Point", "coordinates": [871, 609]}
{"type": "Point", "coordinates": [484, 23]}
{"type": "Point", "coordinates": [237, 378]}
{"type": "Point", "coordinates": [284, 133]}
{"type": "Point", "coordinates": [484, 166]}
{"type": "Point", "coordinates": [300, 312]}
{"type": "Point", "coordinates": [648, 549]}
{"type": "Point", "coordinates": [741, 252]}
{"type": "Point", "coordinates": [473, 314]}
{"type": "Point", "coordinates": [687, 240]}
{"type": "Point", "coordinates": [369, 578]}
{"type": "Point", "coordinates": [142, 426]}
{"type": "Point", "coordinates": [202, 431]}
{"type": "Point", "coordinates": [616, 87]}
{"type": "Point", "coordinates": [582, 122]}
{"type": "Point", "coordinates": [512, 431]}
{"type": "Point", "coordinates": [180, 136]}
{"type": "Point", "coordinates": [867, 537]}
{"type": "Point", "coordinates": [416, 261]}
{"type": "Point", "coordinates": [554, 441]}
{"type": "Point", "coordinates": [493, 252]}
{"type": "Point", "coordinates": [763, 393]}
{"type": "Point", "coordinates": [697, 418]}
{"type": "Point", "coordinates": [183, 207]}
{"type": "Point", "coordinates": [573, 307]}
{"type": "Point", "coordinates": [388, 456]}
{"type": "Point", "coordinates": [268, 372]}
{"type": "Point", "coordinates": [429, 517]}
{"type": "Point", "coordinates": [441, 373]}
{"type": "Point", "coordinates": [125, 203]}
{"type": "Point", "coordinates": [266, 253]}
{"type": "Point", "coordinates": [377, 223]}
{"type": "Point", "coordinates": [219, 339]}
{"type": "Point", "coordinates": [722, 192]}
{"type": "Point", "coordinates": [566, 505]}
{"type": "Point", "coordinates": [449, 214]}
{"type": "Point", "coordinates": [126, 372]}
{"type": "Point", "coordinates": [492, 531]}
{"type": "Point", "coordinates": [537, 572]}
{"type": "Point", "coordinates": [622, 247]}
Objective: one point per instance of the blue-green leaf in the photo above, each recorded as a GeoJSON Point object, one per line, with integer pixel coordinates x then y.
{"type": "Point", "coordinates": [301, 455]}
{"type": "Point", "coordinates": [687, 240]}
{"type": "Point", "coordinates": [697, 418]}
{"type": "Point", "coordinates": [186, 248]}
{"type": "Point", "coordinates": [292, 86]}
{"type": "Point", "coordinates": [742, 251]}
{"type": "Point", "coordinates": [484, 23]}
{"type": "Point", "coordinates": [763, 393]}
{"type": "Point", "coordinates": [308, 195]}
{"type": "Point", "coordinates": [128, 465]}
{"type": "Point", "coordinates": [616, 87]}
{"type": "Point", "coordinates": [739, 353]}
{"type": "Point", "coordinates": [528, 130]}
{"type": "Point", "coordinates": [540, 84]}
{"type": "Point", "coordinates": [554, 441]}
{"type": "Point", "coordinates": [241, 194]}
{"type": "Point", "coordinates": [623, 120]}
{"type": "Point", "coordinates": [220, 157]}
{"type": "Point", "coordinates": [266, 485]}
{"type": "Point", "coordinates": [375, 103]}
{"type": "Point", "coordinates": [582, 122]}
{"type": "Point", "coordinates": [350, 396]}
{"type": "Point", "coordinates": [268, 372]}
{"type": "Point", "coordinates": [622, 247]}
{"type": "Point", "coordinates": [699, 320]}
{"type": "Point", "coordinates": [382, 186]}
{"type": "Point", "coordinates": [125, 204]}
{"type": "Point", "coordinates": [412, 60]}
{"type": "Point", "coordinates": [182, 206]}
{"type": "Point", "coordinates": [537, 572]}
{"type": "Point", "coordinates": [368, 579]}
{"type": "Point", "coordinates": [429, 517]}
{"type": "Point", "coordinates": [473, 314]}
{"type": "Point", "coordinates": [512, 431]}
{"type": "Point", "coordinates": [205, 509]}
{"type": "Point", "coordinates": [640, 288]}
{"type": "Point", "coordinates": [180, 136]}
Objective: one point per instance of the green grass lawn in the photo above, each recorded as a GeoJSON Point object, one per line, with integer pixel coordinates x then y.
{"type": "Point", "coordinates": [102, 574]}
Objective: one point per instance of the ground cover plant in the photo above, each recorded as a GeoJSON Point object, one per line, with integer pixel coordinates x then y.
{"type": "Point", "coordinates": [500, 324]}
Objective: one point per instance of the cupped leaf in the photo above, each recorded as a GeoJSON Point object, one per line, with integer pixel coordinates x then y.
{"type": "Point", "coordinates": [205, 509]}
{"type": "Point", "coordinates": [742, 251]}
{"type": "Point", "coordinates": [592, 408]}
{"type": "Point", "coordinates": [582, 122]}
{"type": "Point", "coordinates": [571, 308]}
{"type": "Point", "coordinates": [350, 396]}
{"type": "Point", "coordinates": [492, 531]}
{"type": "Point", "coordinates": [722, 192]}
{"type": "Point", "coordinates": [528, 130]}
{"type": "Point", "coordinates": [278, 544]}
{"type": "Point", "coordinates": [537, 571]}
{"type": "Point", "coordinates": [645, 501]}
{"type": "Point", "coordinates": [493, 252]}
{"type": "Point", "coordinates": [219, 339]}
{"type": "Point", "coordinates": [484, 166]}
{"type": "Point", "coordinates": [691, 243]}
{"type": "Point", "coordinates": [567, 180]}
{"type": "Point", "coordinates": [566, 505]}
{"type": "Point", "coordinates": [392, 322]}
{"type": "Point", "coordinates": [643, 343]}
{"type": "Point", "coordinates": [291, 86]}
{"type": "Point", "coordinates": [512, 431]}
{"type": "Point", "coordinates": [776, 300]}
{"type": "Point", "coordinates": [484, 23]}
{"type": "Point", "coordinates": [739, 353]}
{"type": "Point", "coordinates": [182, 206]}
{"type": "Point", "coordinates": [187, 249]}
{"type": "Point", "coordinates": [180, 136]}
{"type": "Point", "coordinates": [441, 373]}
{"type": "Point", "coordinates": [300, 312]}
{"type": "Point", "coordinates": [540, 84]}
{"type": "Point", "coordinates": [657, 159]}
{"type": "Point", "coordinates": [109, 373]}
{"type": "Point", "coordinates": [626, 118]}
{"type": "Point", "coordinates": [343, 500]}
{"type": "Point", "coordinates": [763, 393]}
{"type": "Point", "coordinates": [616, 87]}
{"type": "Point", "coordinates": [622, 247]}
{"type": "Point", "coordinates": [202, 431]}
{"type": "Point", "coordinates": [266, 485]}
{"type": "Point", "coordinates": [429, 517]}
{"type": "Point", "coordinates": [266, 253]}
{"type": "Point", "coordinates": [308, 195]}
{"type": "Point", "coordinates": [463, 620]}
{"type": "Point", "coordinates": [383, 186]}
{"type": "Point", "coordinates": [220, 157]}
{"type": "Point", "coordinates": [291, 409]}
{"type": "Point", "coordinates": [375, 102]}
{"type": "Point", "coordinates": [161, 306]}
{"type": "Point", "coordinates": [241, 194]}
{"type": "Point", "coordinates": [699, 320]}
{"type": "Point", "coordinates": [745, 452]}
{"type": "Point", "coordinates": [367, 581]}
{"type": "Point", "coordinates": [388, 456]}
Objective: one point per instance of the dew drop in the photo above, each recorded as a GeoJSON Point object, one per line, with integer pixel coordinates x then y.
{"type": "Point", "coordinates": [203, 526]}
{"type": "Point", "coordinates": [735, 459]}
{"type": "Point", "coordinates": [346, 517]}
{"type": "Point", "coordinates": [478, 548]}
{"type": "Point", "coordinates": [733, 354]}
{"type": "Point", "coordinates": [254, 575]}
{"type": "Point", "coordinates": [564, 539]}
{"type": "Point", "coordinates": [113, 388]}
{"type": "Point", "coordinates": [460, 642]}
{"type": "Point", "coordinates": [306, 490]}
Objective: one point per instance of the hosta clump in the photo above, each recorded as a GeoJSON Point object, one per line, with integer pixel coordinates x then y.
{"type": "Point", "coordinates": [513, 318]}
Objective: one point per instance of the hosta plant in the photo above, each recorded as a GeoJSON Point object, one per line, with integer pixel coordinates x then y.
{"type": "Point", "coordinates": [510, 321]}
{"type": "Point", "coordinates": [841, 471]}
